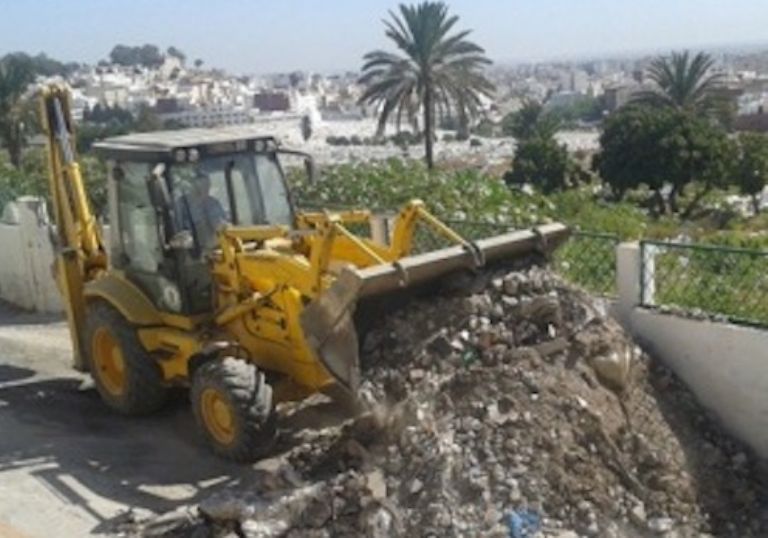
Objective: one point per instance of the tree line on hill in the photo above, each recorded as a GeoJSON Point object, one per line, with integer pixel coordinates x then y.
{"type": "Point", "coordinates": [670, 139]}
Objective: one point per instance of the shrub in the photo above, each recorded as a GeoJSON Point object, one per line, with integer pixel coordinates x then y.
{"type": "Point", "coordinates": [541, 162]}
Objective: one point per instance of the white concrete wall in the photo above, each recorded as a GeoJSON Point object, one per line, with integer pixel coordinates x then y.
{"type": "Point", "coordinates": [725, 365]}
{"type": "Point", "coordinates": [26, 258]}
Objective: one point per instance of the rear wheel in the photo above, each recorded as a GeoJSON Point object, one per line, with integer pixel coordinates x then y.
{"type": "Point", "coordinates": [126, 376]}
{"type": "Point", "coordinates": [232, 403]}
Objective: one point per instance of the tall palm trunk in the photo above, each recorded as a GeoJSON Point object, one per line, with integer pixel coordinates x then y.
{"type": "Point", "coordinates": [428, 125]}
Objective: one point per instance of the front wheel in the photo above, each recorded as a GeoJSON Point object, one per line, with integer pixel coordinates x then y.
{"type": "Point", "coordinates": [127, 377]}
{"type": "Point", "coordinates": [232, 404]}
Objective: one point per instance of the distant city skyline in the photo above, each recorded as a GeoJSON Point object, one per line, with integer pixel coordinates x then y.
{"type": "Point", "coordinates": [261, 37]}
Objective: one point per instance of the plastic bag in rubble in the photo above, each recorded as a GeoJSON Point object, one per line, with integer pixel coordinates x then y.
{"type": "Point", "coordinates": [523, 523]}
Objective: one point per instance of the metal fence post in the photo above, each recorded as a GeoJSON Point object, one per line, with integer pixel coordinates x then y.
{"type": "Point", "coordinates": [648, 253]}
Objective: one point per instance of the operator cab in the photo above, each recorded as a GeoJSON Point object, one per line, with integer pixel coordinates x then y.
{"type": "Point", "coordinates": [170, 192]}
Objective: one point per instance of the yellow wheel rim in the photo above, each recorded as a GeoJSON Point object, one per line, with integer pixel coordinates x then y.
{"type": "Point", "coordinates": [109, 362]}
{"type": "Point", "coordinates": [218, 416]}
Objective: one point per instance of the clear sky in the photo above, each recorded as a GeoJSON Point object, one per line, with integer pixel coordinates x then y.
{"type": "Point", "coordinates": [258, 36]}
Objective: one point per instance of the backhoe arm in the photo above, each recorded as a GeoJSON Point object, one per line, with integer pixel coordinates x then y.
{"type": "Point", "coordinates": [80, 254]}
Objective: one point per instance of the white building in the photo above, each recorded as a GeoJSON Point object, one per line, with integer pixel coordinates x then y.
{"type": "Point", "coordinates": [209, 116]}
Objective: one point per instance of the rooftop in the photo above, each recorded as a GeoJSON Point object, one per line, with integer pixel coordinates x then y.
{"type": "Point", "coordinates": [166, 141]}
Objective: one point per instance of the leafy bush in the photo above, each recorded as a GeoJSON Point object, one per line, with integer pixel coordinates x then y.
{"type": "Point", "coordinates": [32, 179]}
{"type": "Point", "coordinates": [540, 161]}
{"type": "Point", "coordinates": [386, 185]}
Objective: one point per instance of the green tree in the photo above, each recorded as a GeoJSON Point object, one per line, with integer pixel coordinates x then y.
{"type": "Point", "coordinates": [44, 65]}
{"type": "Point", "coordinates": [145, 55]}
{"type": "Point", "coordinates": [437, 70]}
{"type": "Point", "coordinates": [684, 82]}
{"type": "Point", "coordinates": [176, 53]}
{"type": "Point", "coordinates": [529, 122]}
{"type": "Point", "coordinates": [540, 161]}
{"type": "Point", "coordinates": [16, 73]}
{"type": "Point", "coordinates": [751, 171]}
{"type": "Point", "coordinates": [198, 63]}
{"type": "Point", "coordinates": [642, 145]}
{"type": "Point", "coordinates": [31, 178]}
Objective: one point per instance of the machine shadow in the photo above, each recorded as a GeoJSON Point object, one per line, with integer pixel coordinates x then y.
{"type": "Point", "coordinates": [68, 439]}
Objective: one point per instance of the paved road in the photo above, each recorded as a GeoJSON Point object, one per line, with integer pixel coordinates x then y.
{"type": "Point", "coordinates": [68, 466]}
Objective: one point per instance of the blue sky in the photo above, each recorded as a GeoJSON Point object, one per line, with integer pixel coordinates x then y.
{"type": "Point", "coordinates": [257, 36]}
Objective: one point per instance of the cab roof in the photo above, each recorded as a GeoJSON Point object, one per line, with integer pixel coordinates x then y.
{"type": "Point", "coordinates": [165, 143]}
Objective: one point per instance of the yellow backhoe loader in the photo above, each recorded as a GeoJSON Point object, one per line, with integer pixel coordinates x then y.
{"type": "Point", "coordinates": [212, 280]}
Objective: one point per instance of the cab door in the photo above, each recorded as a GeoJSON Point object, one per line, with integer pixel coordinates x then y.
{"type": "Point", "coordinates": [136, 238]}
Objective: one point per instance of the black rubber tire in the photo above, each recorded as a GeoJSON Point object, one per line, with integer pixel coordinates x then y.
{"type": "Point", "coordinates": [145, 391]}
{"type": "Point", "coordinates": [249, 398]}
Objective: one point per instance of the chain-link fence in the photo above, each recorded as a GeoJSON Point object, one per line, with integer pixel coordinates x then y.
{"type": "Point", "coordinates": [730, 283]}
{"type": "Point", "coordinates": [427, 238]}
{"type": "Point", "coordinates": [588, 259]}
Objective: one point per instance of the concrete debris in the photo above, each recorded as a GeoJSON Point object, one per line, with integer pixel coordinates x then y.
{"type": "Point", "coordinates": [521, 398]}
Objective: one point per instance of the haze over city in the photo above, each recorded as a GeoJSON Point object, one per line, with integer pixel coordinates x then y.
{"type": "Point", "coordinates": [260, 37]}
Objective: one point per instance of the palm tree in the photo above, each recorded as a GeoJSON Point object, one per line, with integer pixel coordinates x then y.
{"type": "Point", "coordinates": [683, 82]}
{"type": "Point", "coordinates": [530, 121]}
{"type": "Point", "coordinates": [435, 71]}
{"type": "Point", "coordinates": [16, 73]}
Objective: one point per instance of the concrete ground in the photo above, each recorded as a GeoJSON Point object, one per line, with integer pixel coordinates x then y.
{"type": "Point", "coordinates": [69, 466]}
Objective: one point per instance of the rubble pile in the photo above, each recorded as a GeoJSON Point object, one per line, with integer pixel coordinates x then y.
{"type": "Point", "coordinates": [510, 405]}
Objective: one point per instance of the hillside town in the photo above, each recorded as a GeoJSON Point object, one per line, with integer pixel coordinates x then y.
{"type": "Point", "coordinates": [178, 93]}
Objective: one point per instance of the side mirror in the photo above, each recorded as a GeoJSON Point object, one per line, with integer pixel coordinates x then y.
{"type": "Point", "coordinates": [158, 190]}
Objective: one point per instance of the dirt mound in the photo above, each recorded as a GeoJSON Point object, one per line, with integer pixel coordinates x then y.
{"type": "Point", "coordinates": [510, 405]}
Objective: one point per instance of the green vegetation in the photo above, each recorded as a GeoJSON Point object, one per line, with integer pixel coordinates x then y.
{"type": "Point", "coordinates": [41, 64]}
{"type": "Point", "coordinates": [660, 147]}
{"type": "Point", "coordinates": [751, 175]}
{"type": "Point", "coordinates": [465, 194]}
{"type": "Point", "coordinates": [683, 82]}
{"type": "Point", "coordinates": [437, 71]}
{"type": "Point", "coordinates": [31, 178]}
{"type": "Point", "coordinates": [529, 122]}
{"type": "Point", "coordinates": [590, 260]}
{"type": "Point", "coordinates": [16, 73]}
{"type": "Point", "coordinates": [540, 161]}
{"type": "Point", "coordinates": [718, 280]}
{"type": "Point", "coordinates": [145, 55]}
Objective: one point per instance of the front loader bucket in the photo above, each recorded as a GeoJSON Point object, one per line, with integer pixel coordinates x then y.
{"type": "Point", "coordinates": [328, 323]}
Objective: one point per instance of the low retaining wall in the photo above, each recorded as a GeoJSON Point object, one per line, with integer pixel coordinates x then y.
{"type": "Point", "coordinates": [26, 259]}
{"type": "Point", "coordinates": [725, 365]}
